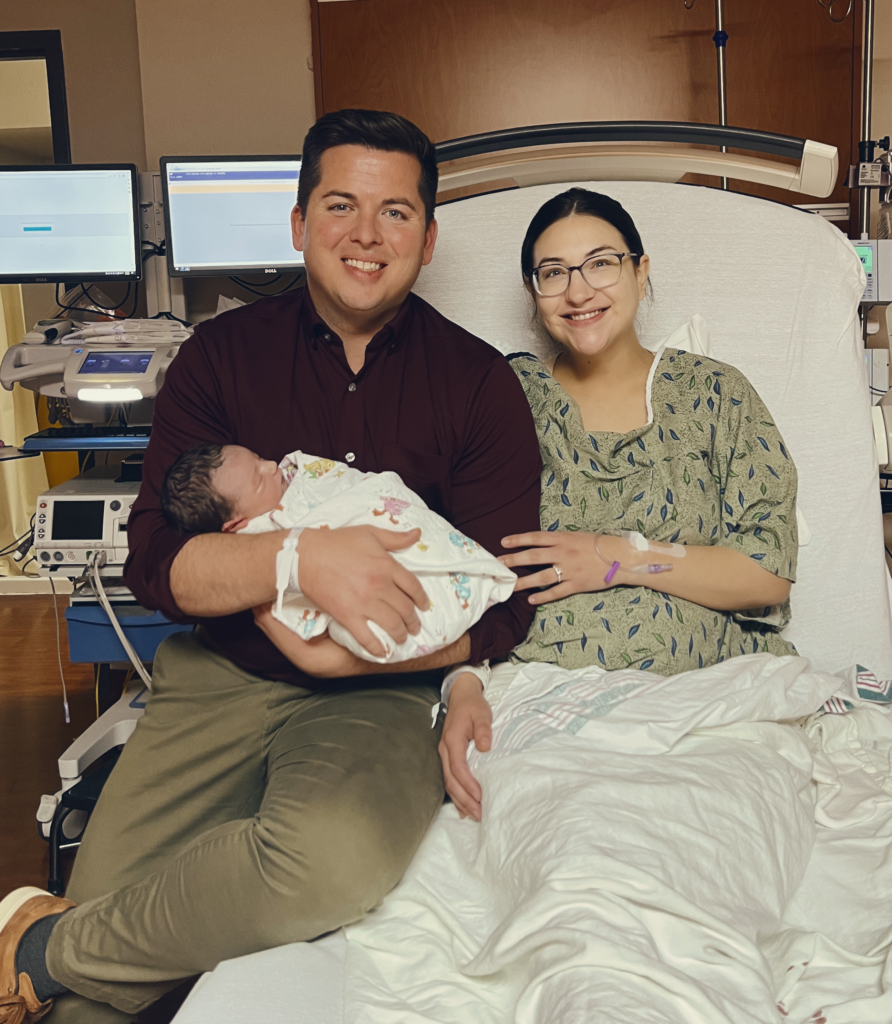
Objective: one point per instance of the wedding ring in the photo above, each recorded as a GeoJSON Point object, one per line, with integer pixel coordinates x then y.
{"type": "Point", "coordinates": [558, 572]}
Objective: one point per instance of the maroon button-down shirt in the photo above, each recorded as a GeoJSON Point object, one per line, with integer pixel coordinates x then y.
{"type": "Point", "coordinates": [432, 403]}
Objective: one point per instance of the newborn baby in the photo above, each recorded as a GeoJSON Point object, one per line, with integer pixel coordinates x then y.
{"type": "Point", "coordinates": [214, 487]}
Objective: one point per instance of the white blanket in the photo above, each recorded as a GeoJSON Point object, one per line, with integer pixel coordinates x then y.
{"type": "Point", "coordinates": [461, 579]}
{"type": "Point", "coordinates": [642, 841]}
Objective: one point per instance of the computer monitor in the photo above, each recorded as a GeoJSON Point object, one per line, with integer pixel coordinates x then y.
{"type": "Point", "coordinates": [77, 222]}
{"type": "Point", "coordinates": [229, 215]}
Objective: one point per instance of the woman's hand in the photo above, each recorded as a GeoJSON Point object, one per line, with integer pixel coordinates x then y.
{"type": "Point", "coordinates": [469, 717]}
{"type": "Point", "coordinates": [582, 569]}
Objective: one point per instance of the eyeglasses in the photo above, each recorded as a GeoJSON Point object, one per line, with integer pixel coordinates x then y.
{"type": "Point", "coordinates": [599, 271]}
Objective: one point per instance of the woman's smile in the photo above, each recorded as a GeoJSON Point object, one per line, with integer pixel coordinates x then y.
{"type": "Point", "coordinates": [590, 316]}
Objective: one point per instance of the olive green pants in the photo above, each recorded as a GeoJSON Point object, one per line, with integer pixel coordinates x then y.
{"type": "Point", "coordinates": [242, 814]}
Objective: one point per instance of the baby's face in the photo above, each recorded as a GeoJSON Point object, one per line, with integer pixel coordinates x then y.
{"type": "Point", "coordinates": [250, 484]}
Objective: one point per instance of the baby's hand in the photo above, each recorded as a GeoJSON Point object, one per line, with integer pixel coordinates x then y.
{"type": "Point", "coordinates": [469, 717]}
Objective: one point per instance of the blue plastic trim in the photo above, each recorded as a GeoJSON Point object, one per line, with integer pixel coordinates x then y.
{"type": "Point", "coordinates": [131, 442]}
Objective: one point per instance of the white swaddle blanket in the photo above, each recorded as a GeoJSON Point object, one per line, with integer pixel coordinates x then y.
{"type": "Point", "coordinates": [461, 579]}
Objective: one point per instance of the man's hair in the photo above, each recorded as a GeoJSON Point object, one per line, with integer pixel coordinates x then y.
{"type": "Point", "coordinates": [188, 498]}
{"type": "Point", "coordinates": [375, 129]}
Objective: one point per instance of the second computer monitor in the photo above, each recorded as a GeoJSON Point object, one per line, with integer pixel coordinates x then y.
{"type": "Point", "coordinates": [228, 215]}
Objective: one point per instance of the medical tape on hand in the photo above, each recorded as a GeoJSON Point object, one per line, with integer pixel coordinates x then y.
{"type": "Point", "coordinates": [286, 568]}
{"type": "Point", "coordinates": [480, 671]}
{"type": "Point", "coordinates": [639, 545]}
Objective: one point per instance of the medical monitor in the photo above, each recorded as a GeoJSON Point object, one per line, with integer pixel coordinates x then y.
{"type": "Point", "coordinates": [77, 222]}
{"type": "Point", "coordinates": [228, 215]}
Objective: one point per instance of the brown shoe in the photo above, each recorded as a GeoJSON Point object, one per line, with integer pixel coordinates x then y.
{"type": "Point", "coordinates": [20, 909]}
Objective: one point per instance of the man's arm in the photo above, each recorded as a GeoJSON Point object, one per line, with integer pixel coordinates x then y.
{"type": "Point", "coordinates": [190, 408]}
{"type": "Point", "coordinates": [223, 573]}
{"type": "Point", "coordinates": [498, 481]}
{"type": "Point", "coordinates": [325, 659]}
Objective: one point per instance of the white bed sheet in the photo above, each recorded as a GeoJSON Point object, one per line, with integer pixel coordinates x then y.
{"type": "Point", "coordinates": [699, 861]}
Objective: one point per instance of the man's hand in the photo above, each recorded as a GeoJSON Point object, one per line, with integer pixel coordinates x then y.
{"type": "Point", "coordinates": [320, 657]}
{"type": "Point", "coordinates": [469, 717]}
{"type": "Point", "coordinates": [350, 574]}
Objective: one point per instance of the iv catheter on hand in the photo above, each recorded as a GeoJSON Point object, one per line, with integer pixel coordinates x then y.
{"type": "Point", "coordinates": [634, 559]}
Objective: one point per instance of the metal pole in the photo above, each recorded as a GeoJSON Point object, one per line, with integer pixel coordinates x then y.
{"type": "Point", "coordinates": [720, 38]}
{"type": "Point", "coordinates": [866, 110]}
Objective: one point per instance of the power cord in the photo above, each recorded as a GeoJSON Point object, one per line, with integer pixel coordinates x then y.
{"type": "Point", "coordinates": [21, 545]}
{"type": "Point", "coordinates": [254, 288]}
{"type": "Point", "coordinates": [106, 310]}
{"type": "Point", "coordinates": [167, 315]}
{"type": "Point", "coordinates": [59, 653]}
{"type": "Point", "coordinates": [98, 560]}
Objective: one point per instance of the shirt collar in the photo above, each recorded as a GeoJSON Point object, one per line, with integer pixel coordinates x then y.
{"type": "Point", "coordinates": [392, 335]}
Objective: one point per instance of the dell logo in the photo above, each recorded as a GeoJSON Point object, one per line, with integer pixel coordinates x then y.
{"type": "Point", "coordinates": [273, 271]}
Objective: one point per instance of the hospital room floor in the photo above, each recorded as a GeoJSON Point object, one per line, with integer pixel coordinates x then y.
{"type": "Point", "coordinates": [33, 734]}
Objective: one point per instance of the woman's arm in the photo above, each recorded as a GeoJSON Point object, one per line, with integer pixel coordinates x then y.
{"type": "Point", "coordinates": [712, 576]}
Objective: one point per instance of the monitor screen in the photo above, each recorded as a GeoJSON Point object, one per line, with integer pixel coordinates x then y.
{"type": "Point", "coordinates": [230, 215]}
{"type": "Point", "coordinates": [78, 520]}
{"type": "Point", "coordinates": [73, 223]}
{"type": "Point", "coordinates": [865, 254]}
{"type": "Point", "coordinates": [116, 362]}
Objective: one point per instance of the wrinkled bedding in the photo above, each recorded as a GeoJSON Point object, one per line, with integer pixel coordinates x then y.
{"type": "Point", "coordinates": [647, 854]}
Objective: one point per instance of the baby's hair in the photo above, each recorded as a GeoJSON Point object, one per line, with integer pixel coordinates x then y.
{"type": "Point", "coordinates": [188, 498]}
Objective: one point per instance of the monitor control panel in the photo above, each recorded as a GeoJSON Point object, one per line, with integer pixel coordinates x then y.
{"type": "Point", "coordinates": [876, 260]}
{"type": "Point", "coordinates": [78, 518]}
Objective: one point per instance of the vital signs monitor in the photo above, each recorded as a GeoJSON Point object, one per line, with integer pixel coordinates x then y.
{"type": "Point", "coordinates": [229, 215]}
{"type": "Point", "coordinates": [77, 222]}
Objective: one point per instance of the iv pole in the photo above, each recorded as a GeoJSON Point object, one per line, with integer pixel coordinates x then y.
{"type": "Point", "coordinates": [720, 38]}
{"type": "Point", "coordinates": [866, 111]}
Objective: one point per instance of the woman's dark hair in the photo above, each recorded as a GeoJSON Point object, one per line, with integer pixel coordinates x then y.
{"type": "Point", "coordinates": [579, 201]}
{"type": "Point", "coordinates": [375, 129]}
{"type": "Point", "coordinates": [188, 498]}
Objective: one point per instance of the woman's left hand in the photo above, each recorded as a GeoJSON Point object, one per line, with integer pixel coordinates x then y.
{"type": "Point", "coordinates": [582, 569]}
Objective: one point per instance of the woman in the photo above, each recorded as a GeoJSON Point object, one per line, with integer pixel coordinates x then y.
{"type": "Point", "coordinates": [676, 447]}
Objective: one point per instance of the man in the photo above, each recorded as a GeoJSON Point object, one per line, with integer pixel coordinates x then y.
{"type": "Point", "coordinates": [275, 789]}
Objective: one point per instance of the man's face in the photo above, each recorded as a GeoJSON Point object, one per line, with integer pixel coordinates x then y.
{"type": "Point", "coordinates": [364, 236]}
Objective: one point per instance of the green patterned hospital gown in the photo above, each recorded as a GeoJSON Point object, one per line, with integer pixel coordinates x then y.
{"type": "Point", "coordinates": [709, 468]}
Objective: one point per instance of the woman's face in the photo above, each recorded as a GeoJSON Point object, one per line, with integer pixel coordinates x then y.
{"type": "Point", "coordinates": [584, 319]}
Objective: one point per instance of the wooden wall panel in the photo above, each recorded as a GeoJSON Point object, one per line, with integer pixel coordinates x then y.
{"type": "Point", "coordinates": [458, 67]}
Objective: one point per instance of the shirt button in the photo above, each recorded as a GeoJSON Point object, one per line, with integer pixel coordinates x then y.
{"type": "Point", "coordinates": [326, 337]}
{"type": "Point", "coordinates": [351, 387]}
{"type": "Point", "coordinates": [350, 456]}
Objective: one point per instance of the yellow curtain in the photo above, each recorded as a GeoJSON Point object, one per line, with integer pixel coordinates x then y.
{"type": "Point", "coordinates": [21, 480]}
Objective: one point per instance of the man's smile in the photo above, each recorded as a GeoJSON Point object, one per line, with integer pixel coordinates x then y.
{"type": "Point", "coordinates": [366, 265]}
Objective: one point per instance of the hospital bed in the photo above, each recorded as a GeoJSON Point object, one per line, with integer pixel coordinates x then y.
{"type": "Point", "coordinates": [778, 289]}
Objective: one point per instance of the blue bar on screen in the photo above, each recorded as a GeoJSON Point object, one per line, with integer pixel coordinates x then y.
{"type": "Point", "coordinates": [232, 175]}
{"type": "Point", "coordinates": [37, 227]}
